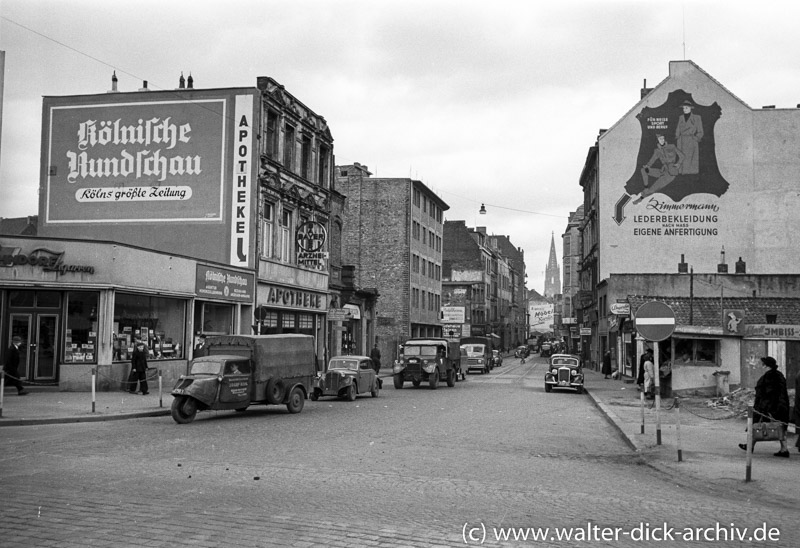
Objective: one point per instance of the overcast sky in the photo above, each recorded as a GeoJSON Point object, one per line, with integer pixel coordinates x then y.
{"type": "Point", "coordinates": [493, 102]}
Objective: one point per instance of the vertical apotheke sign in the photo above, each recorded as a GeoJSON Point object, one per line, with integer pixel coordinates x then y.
{"type": "Point", "coordinates": [242, 165]}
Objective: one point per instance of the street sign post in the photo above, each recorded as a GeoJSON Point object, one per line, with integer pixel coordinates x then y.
{"type": "Point", "coordinates": [655, 321]}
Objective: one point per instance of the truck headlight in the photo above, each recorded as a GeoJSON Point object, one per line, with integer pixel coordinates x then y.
{"type": "Point", "coordinates": [429, 368]}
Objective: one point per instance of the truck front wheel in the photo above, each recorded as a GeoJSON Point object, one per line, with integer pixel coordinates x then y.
{"type": "Point", "coordinates": [184, 409]}
{"type": "Point", "coordinates": [433, 379]}
{"type": "Point", "coordinates": [398, 381]}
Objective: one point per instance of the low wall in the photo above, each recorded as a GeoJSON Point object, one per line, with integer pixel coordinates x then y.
{"type": "Point", "coordinates": [77, 377]}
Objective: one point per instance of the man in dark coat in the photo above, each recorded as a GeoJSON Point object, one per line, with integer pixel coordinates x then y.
{"type": "Point", "coordinates": [772, 401]}
{"type": "Point", "coordinates": [606, 364]}
{"type": "Point", "coordinates": [375, 356]}
{"type": "Point", "coordinates": [138, 369]}
{"type": "Point", "coordinates": [12, 366]}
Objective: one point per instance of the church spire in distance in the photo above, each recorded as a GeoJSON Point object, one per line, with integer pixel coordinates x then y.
{"type": "Point", "coordinates": [552, 280]}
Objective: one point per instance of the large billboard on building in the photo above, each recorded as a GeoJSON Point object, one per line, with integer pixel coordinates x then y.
{"type": "Point", "coordinates": [691, 171]}
{"type": "Point", "coordinates": [541, 316]}
{"type": "Point", "coordinates": [147, 168]}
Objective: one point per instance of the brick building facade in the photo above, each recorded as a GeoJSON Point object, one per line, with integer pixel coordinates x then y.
{"type": "Point", "coordinates": [393, 238]}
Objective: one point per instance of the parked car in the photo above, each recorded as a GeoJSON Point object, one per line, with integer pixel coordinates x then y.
{"type": "Point", "coordinates": [564, 371]}
{"type": "Point", "coordinates": [430, 360]}
{"type": "Point", "coordinates": [242, 370]}
{"type": "Point", "coordinates": [497, 359]}
{"type": "Point", "coordinates": [521, 352]}
{"type": "Point", "coordinates": [346, 377]}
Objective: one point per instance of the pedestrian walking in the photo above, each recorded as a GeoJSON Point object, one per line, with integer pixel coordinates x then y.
{"type": "Point", "coordinates": [606, 364]}
{"type": "Point", "coordinates": [12, 366]}
{"type": "Point", "coordinates": [640, 370]}
{"type": "Point", "coordinates": [772, 402]}
{"type": "Point", "coordinates": [375, 356]}
{"type": "Point", "coordinates": [649, 376]}
{"type": "Point", "coordinates": [138, 369]}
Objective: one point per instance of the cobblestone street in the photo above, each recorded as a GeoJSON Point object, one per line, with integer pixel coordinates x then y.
{"type": "Point", "coordinates": [413, 467]}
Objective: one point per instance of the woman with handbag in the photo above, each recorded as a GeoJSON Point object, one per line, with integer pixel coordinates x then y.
{"type": "Point", "coordinates": [771, 403]}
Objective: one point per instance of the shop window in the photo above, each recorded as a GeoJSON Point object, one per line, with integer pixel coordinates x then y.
{"type": "Point", "coordinates": [159, 322]}
{"type": "Point", "coordinates": [305, 321]}
{"type": "Point", "coordinates": [21, 299]}
{"type": "Point", "coordinates": [80, 335]}
{"type": "Point", "coordinates": [214, 319]}
{"type": "Point", "coordinates": [699, 351]}
{"type": "Point", "coordinates": [287, 321]}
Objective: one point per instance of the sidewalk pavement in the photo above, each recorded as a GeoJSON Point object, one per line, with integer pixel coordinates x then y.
{"type": "Point", "coordinates": [709, 437]}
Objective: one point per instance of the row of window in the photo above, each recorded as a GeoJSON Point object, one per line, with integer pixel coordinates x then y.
{"type": "Point", "coordinates": [425, 300]}
{"type": "Point", "coordinates": [421, 265]}
{"type": "Point", "coordinates": [427, 236]}
{"type": "Point", "coordinates": [286, 148]}
{"type": "Point", "coordinates": [428, 206]}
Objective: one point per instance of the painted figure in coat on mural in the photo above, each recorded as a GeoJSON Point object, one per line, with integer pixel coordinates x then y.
{"type": "Point", "coordinates": [670, 159]}
{"type": "Point", "coordinates": [688, 134]}
{"type": "Point", "coordinates": [772, 402]}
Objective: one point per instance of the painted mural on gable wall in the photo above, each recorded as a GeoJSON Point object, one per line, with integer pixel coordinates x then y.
{"type": "Point", "coordinates": [676, 161]}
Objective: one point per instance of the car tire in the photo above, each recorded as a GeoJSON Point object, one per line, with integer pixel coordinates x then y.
{"type": "Point", "coordinates": [314, 395]}
{"type": "Point", "coordinates": [375, 389]}
{"type": "Point", "coordinates": [241, 409]}
{"type": "Point", "coordinates": [184, 409]}
{"type": "Point", "coordinates": [547, 388]}
{"type": "Point", "coordinates": [451, 378]}
{"type": "Point", "coordinates": [398, 381]}
{"type": "Point", "coordinates": [580, 390]}
{"type": "Point", "coordinates": [275, 390]}
{"type": "Point", "coordinates": [296, 400]}
{"type": "Point", "coordinates": [433, 379]}
{"type": "Point", "coordinates": [352, 392]}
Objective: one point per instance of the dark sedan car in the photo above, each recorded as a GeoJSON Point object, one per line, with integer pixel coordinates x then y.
{"type": "Point", "coordinates": [564, 371]}
{"type": "Point", "coordinates": [522, 352]}
{"type": "Point", "coordinates": [347, 377]}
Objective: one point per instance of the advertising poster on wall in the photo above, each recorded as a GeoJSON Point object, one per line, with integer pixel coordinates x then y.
{"type": "Point", "coordinates": [134, 162]}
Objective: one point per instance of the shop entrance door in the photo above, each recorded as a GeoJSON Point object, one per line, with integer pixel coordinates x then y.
{"type": "Point", "coordinates": [39, 333]}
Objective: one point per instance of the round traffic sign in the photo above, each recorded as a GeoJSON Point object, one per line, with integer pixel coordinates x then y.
{"type": "Point", "coordinates": [655, 321]}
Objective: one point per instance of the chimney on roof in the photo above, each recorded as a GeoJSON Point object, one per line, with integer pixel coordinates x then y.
{"type": "Point", "coordinates": [741, 266]}
{"type": "Point", "coordinates": [182, 82]}
{"type": "Point", "coordinates": [683, 266]}
{"type": "Point", "coordinates": [113, 83]}
{"type": "Point", "coordinates": [190, 81]}
{"type": "Point", "coordinates": [144, 86]}
{"type": "Point", "coordinates": [722, 268]}
{"type": "Point", "coordinates": [645, 90]}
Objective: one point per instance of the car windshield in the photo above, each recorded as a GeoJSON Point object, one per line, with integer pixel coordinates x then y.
{"type": "Point", "coordinates": [572, 362]}
{"type": "Point", "coordinates": [205, 367]}
{"type": "Point", "coordinates": [473, 349]}
{"type": "Point", "coordinates": [344, 363]}
{"type": "Point", "coordinates": [419, 350]}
